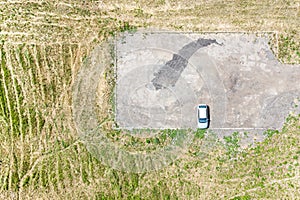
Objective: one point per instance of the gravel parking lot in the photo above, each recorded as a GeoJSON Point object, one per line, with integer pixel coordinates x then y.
{"type": "Point", "coordinates": [161, 77]}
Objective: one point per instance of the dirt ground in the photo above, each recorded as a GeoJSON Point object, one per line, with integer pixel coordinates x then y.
{"type": "Point", "coordinates": [44, 49]}
{"type": "Point", "coordinates": [163, 76]}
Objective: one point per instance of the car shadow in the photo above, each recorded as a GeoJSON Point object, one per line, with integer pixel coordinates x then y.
{"type": "Point", "coordinates": [208, 116]}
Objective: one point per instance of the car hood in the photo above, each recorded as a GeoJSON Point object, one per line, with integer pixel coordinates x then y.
{"type": "Point", "coordinates": [203, 125]}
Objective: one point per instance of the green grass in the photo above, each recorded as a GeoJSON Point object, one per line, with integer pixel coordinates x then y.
{"type": "Point", "coordinates": [289, 46]}
{"type": "Point", "coordinates": [40, 154]}
{"type": "Point", "coordinates": [232, 145]}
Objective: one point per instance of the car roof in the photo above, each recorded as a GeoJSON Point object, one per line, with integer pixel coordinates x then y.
{"type": "Point", "coordinates": [202, 110]}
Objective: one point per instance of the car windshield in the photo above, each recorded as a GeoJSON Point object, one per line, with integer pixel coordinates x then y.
{"type": "Point", "coordinates": [202, 120]}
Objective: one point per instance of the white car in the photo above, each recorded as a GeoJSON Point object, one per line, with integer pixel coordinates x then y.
{"type": "Point", "coordinates": [203, 116]}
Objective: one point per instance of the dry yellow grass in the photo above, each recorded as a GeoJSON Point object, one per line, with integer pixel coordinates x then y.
{"type": "Point", "coordinates": [43, 45]}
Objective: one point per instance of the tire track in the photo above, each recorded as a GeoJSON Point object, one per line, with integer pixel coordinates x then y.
{"type": "Point", "coordinates": [17, 101]}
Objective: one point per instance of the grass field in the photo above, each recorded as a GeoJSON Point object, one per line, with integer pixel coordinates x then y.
{"type": "Point", "coordinates": [44, 44]}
